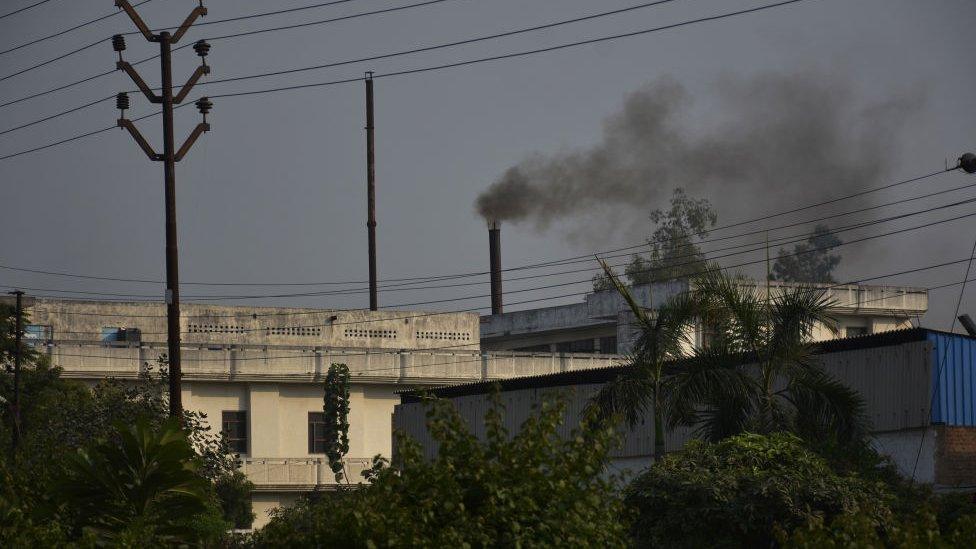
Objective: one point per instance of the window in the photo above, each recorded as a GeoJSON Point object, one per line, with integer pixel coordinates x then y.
{"type": "Point", "coordinates": [111, 333]}
{"type": "Point", "coordinates": [35, 334]}
{"type": "Point", "coordinates": [608, 345]}
{"type": "Point", "coordinates": [316, 432]}
{"type": "Point", "coordinates": [235, 430]}
{"type": "Point", "coordinates": [854, 331]}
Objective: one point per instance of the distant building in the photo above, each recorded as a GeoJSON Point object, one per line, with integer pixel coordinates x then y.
{"type": "Point", "coordinates": [603, 323]}
{"type": "Point", "coordinates": [899, 374]}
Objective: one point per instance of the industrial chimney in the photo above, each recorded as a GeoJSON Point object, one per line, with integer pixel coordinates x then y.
{"type": "Point", "coordinates": [495, 257]}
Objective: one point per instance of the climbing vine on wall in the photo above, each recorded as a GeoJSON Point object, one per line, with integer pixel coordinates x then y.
{"type": "Point", "coordinates": [336, 408]}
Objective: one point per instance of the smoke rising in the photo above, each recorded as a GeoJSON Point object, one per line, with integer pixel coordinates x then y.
{"type": "Point", "coordinates": [773, 140]}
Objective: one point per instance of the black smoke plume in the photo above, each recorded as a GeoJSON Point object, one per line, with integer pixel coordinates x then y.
{"type": "Point", "coordinates": [762, 143]}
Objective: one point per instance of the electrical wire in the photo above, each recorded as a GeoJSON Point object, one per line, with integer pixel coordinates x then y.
{"type": "Point", "coordinates": [306, 354]}
{"type": "Point", "coordinates": [704, 271]}
{"type": "Point", "coordinates": [62, 33]}
{"type": "Point", "coordinates": [412, 281]}
{"type": "Point", "coordinates": [364, 59]}
{"type": "Point", "coordinates": [487, 59]}
{"type": "Point", "coordinates": [25, 8]}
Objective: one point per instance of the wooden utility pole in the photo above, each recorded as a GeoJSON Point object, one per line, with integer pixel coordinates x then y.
{"type": "Point", "coordinates": [169, 158]}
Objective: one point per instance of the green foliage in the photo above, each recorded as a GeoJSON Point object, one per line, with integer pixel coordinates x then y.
{"type": "Point", "coordinates": [810, 261]}
{"type": "Point", "coordinates": [144, 486]}
{"type": "Point", "coordinates": [673, 252]}
{"type": "Point", "coordinates": [336, 409]}
{"type": "Point", "coordinates": [785, 389]}
{"type": "Point", "coordinates": [532, 489]}
{"type": "Point", "coordinates": [732, 493]}
{"type": "Point", "coordinates": [922, 529]}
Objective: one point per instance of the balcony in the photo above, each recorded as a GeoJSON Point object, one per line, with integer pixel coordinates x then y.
{"type": "Point", "coordinates": [300, 474]}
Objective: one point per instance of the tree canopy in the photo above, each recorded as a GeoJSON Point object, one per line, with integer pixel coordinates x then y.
{"type": "Point", "coordinates": [810, 261]}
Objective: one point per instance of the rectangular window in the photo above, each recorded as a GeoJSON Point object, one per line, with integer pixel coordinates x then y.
{"type": "Point", "coordinates": [111, 333]}
{"type": "Point", "coordinates": [316, 432]}
{"type": "Point", "coordinates": [608, 345]}
{"type": "Point", "coordinates": [36, 334]}
{"type": "Point", "coordinates": [235, 430]}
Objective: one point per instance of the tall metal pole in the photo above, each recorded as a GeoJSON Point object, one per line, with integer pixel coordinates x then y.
{"type": "Point", "coordinates": [169, 158]}
{"type": "Point", "coordinates": [371, 192]}
{"type": "Point", "coordinates": [18, 351]}
{"type": "Point", "coordinates": [172, 255]}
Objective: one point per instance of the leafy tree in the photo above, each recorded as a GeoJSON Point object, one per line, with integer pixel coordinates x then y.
{"type": "Point", "coordinates": [663, 337]}
{"type": "Point", "coordinates": [673, 252]}
{"type": "Point", "coordinates": [852, 530]}
{"type": "Point", "coordinates": [336, 412]}
{"type": "Point", "coordinates": [734, 493]}
{"type": "Point", "coordinates": [784, 389]}
{"type": "Point", "coordinates": [143, 487]}
{"type": "Point", "coordinates": [531, 489]}
{"type": "Point", "coordinates": [810, 261]}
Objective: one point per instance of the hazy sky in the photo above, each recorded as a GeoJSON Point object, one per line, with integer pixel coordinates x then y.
{"type": "Point", "coordinates": [276, 192]}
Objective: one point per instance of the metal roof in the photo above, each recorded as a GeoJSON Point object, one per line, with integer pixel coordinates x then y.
{"type": "Point", "coordinates": [953, 408]}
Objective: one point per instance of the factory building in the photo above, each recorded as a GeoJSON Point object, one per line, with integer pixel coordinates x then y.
{"type": "Point", "coordinates": [603, 323]}
{"type": "Point", "coordinates": [918, 386]}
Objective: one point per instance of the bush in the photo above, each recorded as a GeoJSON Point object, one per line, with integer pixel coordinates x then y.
{"type": "Point", "coordinates": [732, 493]}
{"type": "Point", "coordinates": [531, 490]}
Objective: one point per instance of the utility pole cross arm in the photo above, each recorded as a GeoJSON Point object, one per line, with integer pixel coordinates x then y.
{"type": "Point", "coordinates": [139, 82]}
{"type": "Point", "coordinates": [191, 139]}
{"type": "Point", "coordinates": [140, 140]}
{"type": "Point", "coordinates": [134, 15]}
{"type": "Point", "coordinates": [198, 11]}
{"type": "Point", "coordinates": [201, 70]}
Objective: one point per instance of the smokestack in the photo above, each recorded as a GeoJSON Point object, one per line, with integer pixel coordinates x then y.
{"type": "Point", "coordinates": [371, 192]}
{"type": "Point", "coordinates": [495, 257]}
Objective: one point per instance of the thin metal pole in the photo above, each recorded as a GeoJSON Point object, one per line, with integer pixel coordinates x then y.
{"type": "Point", "coordinates": [18, 351]}
{"type": "Point", "coordinates": [172, 255]}
{"type": "Point", "coordinates": [371, 192]}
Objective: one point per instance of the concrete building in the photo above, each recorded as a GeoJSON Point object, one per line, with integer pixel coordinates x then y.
{"type": "Point", "coordinates": [603, 323]}
{"type": "Point", "coordinates": [919, 386]}
{"type": "Point", "coordinates": [257, 372]}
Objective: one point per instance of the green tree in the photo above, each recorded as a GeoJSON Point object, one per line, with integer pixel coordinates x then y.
{"type": "Point", "coordinates": [336, 413]}
{"type": "Point", "coordinates": [533, 488]}
{"type": "Point", "coordinates": [810, 261]}
{"type": "Point", "coordinates": [673, 252]}
{"type": "Point", "coordinates": [735, 493]}
{"type": "Point", "coordinates": [143, 487]}
{"type": "Point", "coordinates": [663, 337]}
{"type": "Point", "coordinates": [783, 388]}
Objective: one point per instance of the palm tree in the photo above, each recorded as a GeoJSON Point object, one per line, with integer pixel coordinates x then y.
{"type": "Point", "coordinates": [146, 484]}
{"type": "Point", "coordinates": [663, 337]}
{"type": "Point", "coordinates": [758, 372]}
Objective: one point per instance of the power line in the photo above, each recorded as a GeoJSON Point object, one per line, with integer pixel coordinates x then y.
{"type": "Point", "coordinates": [307, 24]}
{"type": "Point", "coordinates": [551, 263]}
{"type": "Point", "coordinates": [551, 286]}
{"type": "Point", "coordinates": [25, 8]}
{"type": "Point", "coordinates": [449, 347]}
{"type": "Point", "coordinates": [369, 58]}
{"type": "Point", "coordinates": [461, 63]}
{"type": "Point", "coordinates": [62, 33]}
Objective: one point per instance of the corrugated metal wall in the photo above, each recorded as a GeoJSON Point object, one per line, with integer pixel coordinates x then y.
{"type": "Point", "coordinates": [895, 381]}
{"type": "Point", "coordinates": [953, 359]}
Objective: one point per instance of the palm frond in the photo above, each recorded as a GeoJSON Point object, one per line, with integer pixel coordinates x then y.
{"type": "Point", "coordinates": [825, 407]}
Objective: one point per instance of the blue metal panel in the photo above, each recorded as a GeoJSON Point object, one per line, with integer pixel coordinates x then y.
{"type": "Point", "coordinates": [953, 379]}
